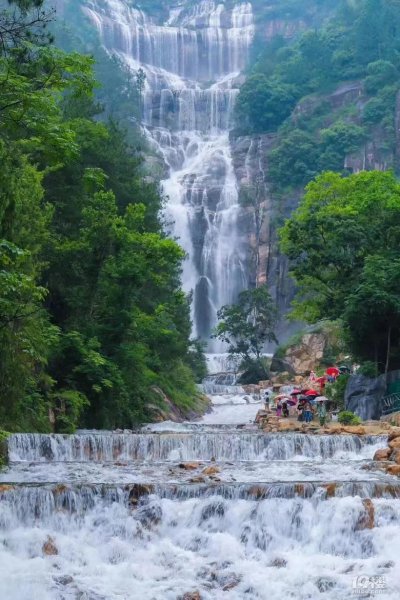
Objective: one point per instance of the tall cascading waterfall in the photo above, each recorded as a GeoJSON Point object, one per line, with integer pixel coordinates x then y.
{"type": "Point", "coordinates": [192, 63]}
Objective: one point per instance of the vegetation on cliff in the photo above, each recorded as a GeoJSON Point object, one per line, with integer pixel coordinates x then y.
{"type": "Point", "coordinates": [326, 98]}
{"type": "Point", "coordinates": [343, 244]}
{"type": "Point", "coordinates": [326, 93]}
{"type": "Point", "coordinates": [92, 318]}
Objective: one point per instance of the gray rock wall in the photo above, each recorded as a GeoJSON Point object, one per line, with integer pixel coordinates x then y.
{"type": "Point", "coordinates": [364, 394]}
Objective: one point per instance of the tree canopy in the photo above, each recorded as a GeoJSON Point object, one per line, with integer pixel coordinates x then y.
{"type": "Point", "coordinates": [247, 325]}
{"type": "Point", "coordinates": [343, 245]}
{"type": "Point", "coordinates": [94, 326]}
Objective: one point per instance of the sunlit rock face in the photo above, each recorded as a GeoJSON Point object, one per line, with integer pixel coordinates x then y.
{"type": "Point", "coordinates": [192, 61]}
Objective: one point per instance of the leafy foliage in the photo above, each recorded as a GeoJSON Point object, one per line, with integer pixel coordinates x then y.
{"type": "Point", "coordinates": [264, 104]}
{"type": "Point", "coordinates": [247, 325]}
{"type": "Point", "coordinates": [346, 417]}
{"type": "Point", "coordinates": [335, 391]}
{"type": "Point", "coordinates": [345, 263]}
{"type": "Point", "coordinates": [92, 318]}
{"type": "Point", "coordinates": [326, 92]}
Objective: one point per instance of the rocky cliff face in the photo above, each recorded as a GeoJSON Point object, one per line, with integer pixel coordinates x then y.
{"type": "Point", "coordinates": [262, 213]}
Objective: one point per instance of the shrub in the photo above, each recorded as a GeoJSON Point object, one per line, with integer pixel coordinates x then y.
{"type": "Point", "coordinates": [335, 391]}
{"type": "Point", "coordinates": [346, 417]}
{"type": "Point", "coordinates": [368, 369]}
{"type": "Point", "coordinates": [253, 371]}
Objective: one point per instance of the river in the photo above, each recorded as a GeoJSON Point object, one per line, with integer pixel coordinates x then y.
{"type": "Point", "coordinates": [116, 516]}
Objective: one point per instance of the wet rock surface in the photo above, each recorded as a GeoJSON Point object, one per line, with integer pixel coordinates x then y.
{"type": "Point", "coordinates": [363, 396]}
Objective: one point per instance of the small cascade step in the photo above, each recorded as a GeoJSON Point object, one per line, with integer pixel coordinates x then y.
{"type": "Point", "coordinates": [32, 502]}
{"type": "Point", "coordinates": [224, 445]}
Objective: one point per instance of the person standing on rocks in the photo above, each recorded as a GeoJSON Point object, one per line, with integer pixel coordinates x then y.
{"type": "Point", "coordinates": [308, 412]}
{"type": "Point", "coordinates": [321, 410]}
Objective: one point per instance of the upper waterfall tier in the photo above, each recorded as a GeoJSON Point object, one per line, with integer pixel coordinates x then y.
{"type": "Point", "coordinates": [201, 42]}
{"type": "Point", "coordinates": [192, 61]}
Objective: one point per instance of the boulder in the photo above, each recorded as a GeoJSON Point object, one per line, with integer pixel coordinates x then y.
{"type": "Point", "coordinates": [280, 365]}
{"type": "Point", "coordinates": [286, 425]}
{"type": "Point", "coordinates": [137, 491]}
{"type": "Point", "coordinates": [49, 548]}
{"type": "Point", "coordinates": [335, 429]}
{"type": "Point", "coordinates": [279, 563]}
{"type": "Point", "coordinates": [64, 579]}
{"type": "Point", "coordinates": [5, 487]}
{"type": "Point", "coordinates": [211, 470]}
{"type": "Point", "coordinates": [394, 444]}
{"type": "Point", "coordinates": [189, 466]}
{"type": "Point", "coordinates": [393, 469]}
{"type": "Point", "coordinates": [363, 396]}
{"type": "Point", "coordinates": [382, 454]}
{"type": "Point", "coordinates": [191, 596]}
{"type": "Point", "coordinates": [394, 433]}
{"type": "Point", "coordinates": [232, 582]}
{"type": "Point", "coordinates": [392, 418]}
{"type": "Point", "coordinates": [303, 356]}
{"type": "Point", "coordinates": [367, 517]}
{"type": "Point", "coordinates": [330, 490]}
{"type": "Point", "coordinates": [354, 429]}
{"type": "Point", "coordinates": [395, 456]}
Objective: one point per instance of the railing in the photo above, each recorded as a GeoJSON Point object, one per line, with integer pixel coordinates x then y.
{"type": "Point", "coordinates": [391, 403]}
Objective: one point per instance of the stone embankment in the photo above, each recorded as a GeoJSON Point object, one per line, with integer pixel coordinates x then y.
{"type": "Point", "coordinates": [270, 423]}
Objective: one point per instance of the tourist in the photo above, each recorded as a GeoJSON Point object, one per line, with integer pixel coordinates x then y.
{"type": "Point", "coordinates": [279, 408]}
{"type": "Point", "coordinates": [321, 410]}
{"type": "Point", "coordinates": [300, 408]}
{"type": "Point", "coordinates": [308, 412]}
{"type": "Point", "coordinates": [285, 409]}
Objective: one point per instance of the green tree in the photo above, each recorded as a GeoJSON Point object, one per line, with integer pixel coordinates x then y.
{"type": "Point", "coordinates": [247, 325]}
{"type": "Point", "coordinates": [334, 246]}
{"type": "Point", "coordinates": [372, 312]}
{"type": "Point", "coordinates": [263, 103]}
{"type": "Point", "coordinates": [94, 327]}
{"type": "Point", "coordinates": [294, 161]}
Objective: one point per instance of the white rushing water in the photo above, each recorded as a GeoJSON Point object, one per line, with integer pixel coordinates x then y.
{"type": "Point", "coordinates": [282, 516]}
{"type": "Point", "coordinates": [192, 61]}
{"type": "Point", "coordinates": [121, 516]}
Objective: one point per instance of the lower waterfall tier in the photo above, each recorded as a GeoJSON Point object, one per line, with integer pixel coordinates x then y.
{"type": "Point", "coordinates": [161, 548]}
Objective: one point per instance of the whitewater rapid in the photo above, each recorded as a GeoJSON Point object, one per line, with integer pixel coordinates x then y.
{"type": "Point", "coordinates": [119, 516]}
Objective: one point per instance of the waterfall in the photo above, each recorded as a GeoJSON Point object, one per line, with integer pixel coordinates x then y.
{"type": "Point", "coordinates": [213, 509]}
{"type": "Point", "coordinates": [105, 516]}
{"type": "Point", "coordinates": [192, 62]}
{"type": "Point", "coordinates": [229, 445]}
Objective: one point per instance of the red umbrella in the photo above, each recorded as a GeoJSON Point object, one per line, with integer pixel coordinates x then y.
{"type": "Point", "coordinates": [332, 371]}
{"type": "Point", "coordinates": [312, 393]}
{"type": "Point", "coordinates": [321, 380]}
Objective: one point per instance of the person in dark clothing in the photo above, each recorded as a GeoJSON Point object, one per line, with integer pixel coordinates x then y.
{"type": "Point", "coordinates": [300, 408]}
{"type": "Point", "coordinates": [285, 409]}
